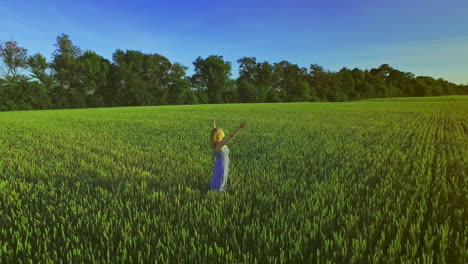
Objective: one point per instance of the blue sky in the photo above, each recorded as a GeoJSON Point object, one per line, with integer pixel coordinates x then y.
{"type": "Point", "coordinates": [424, 37]}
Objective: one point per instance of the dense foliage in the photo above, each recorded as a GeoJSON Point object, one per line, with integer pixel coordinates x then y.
{"type": "Point", "coordinates": [362, 182]}
{"type": "Point", "coordinates": [77, 79]}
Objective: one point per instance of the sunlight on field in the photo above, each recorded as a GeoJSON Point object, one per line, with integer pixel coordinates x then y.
{"type": "Point", "coordinates": [374, 181]}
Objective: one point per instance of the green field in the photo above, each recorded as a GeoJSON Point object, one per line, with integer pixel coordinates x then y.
{"type": "Point", "coordinates": [377, 181]}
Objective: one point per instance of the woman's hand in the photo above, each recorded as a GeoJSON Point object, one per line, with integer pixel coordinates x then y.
{"type": "Point", "coordinates": [214, 123]}
{"type": "Point", "coordinates": [243, 125]}
{"type": "Point", "coordinates": [229, 138]}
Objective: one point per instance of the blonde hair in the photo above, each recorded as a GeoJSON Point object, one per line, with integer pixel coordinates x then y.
{"type": "Point", "coordinates": [217, 134]}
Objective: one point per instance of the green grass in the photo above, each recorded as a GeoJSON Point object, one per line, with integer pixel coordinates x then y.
{"type": "Point", "coordinates": [377, 181]}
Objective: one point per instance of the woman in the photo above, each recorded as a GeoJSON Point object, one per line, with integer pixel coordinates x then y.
{"type": "Point", "coordinates": [221, 153]}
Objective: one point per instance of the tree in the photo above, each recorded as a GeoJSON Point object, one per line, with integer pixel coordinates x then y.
{"type": "Point", "coordinates": [336, 91]}
{"type": "Point", "coordinates": [422, 88]}
{"type": "Point", "coordinates": [146, 79]}
{"type": "Point", "coordinates": [69, 91]}
{"type": "Point", "coordinates": [156, 71]}
{"type": "Point", "coordinates": [74, 79]}
{"type": "Point", "coordinates": [36, 95]}
{"type": "Point", "coordinates": [42, 81]}
{"type": "Point", "coordinates": [348, 85]}
{"type": "Point", "coordinates": [15, 85]}
{"type": "Point", "coordinates": [319, 81]}
{"type": "Point", "coordinates": [255, 80]}
{"type": "Point", "coordinates": [405, 84]}
{"type": "Point", "coordinates": [179, 91]}
{"type": "Point", "coordinates": [212, 77]}
{"type": "Point", "coordinates": [265, 80]}
{"type": "Point", "coordinates": [359, 78]}
{"type": "Point", "coordinates": [3, 103]}
{"type": "Point", "coordinates": [16, 94]}
{"type": "Point", "coordinates": [382, 72]}
{"type": "Point", "coordinates": [378, 78]}
{"type": "Point", "coordinates": [231, 94]}
{"type": "Point", "coordinates": [128, 79]}
{"type": "Point", "coordinates": [245, 90]}
{"type": "Point", "coordinates": [38, 66]}
{"type": "Point", "coordinates": [292, 82]}
{"type": "Point", "coordinates": [18, 91]}
{"type": "Point", "coordinates": [93, 78]}
{"type": "Point", "coordinates": [14, 57]}
{"type": "Point", "coordinates": [246, 80]}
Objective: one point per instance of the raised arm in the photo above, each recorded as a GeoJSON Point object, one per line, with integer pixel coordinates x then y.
{"type": "Point", "coordinates": [228, 139]}
{"type": "Point", "coordinates": [214, 123]}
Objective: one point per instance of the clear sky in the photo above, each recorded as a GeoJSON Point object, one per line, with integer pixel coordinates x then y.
{"type": "Point", "coordinates": [426, 37]}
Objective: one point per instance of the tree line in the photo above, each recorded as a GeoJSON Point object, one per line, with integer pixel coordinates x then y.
{"type": "Point", "coordinates": [77, 79]}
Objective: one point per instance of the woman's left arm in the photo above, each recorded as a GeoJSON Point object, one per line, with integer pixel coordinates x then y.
{"type": "Point", "coordinates": [214, 123]}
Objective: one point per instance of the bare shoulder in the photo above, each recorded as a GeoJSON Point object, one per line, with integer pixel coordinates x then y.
{"type": "Point", "coordinates": [220, 146]}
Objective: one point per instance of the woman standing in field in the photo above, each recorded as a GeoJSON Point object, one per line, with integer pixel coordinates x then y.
{"type": "Point", "coordinates": [221, 152]}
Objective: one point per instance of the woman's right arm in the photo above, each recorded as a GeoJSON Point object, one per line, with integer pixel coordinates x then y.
{"type": "Point", "coordinates": [232, 135]}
